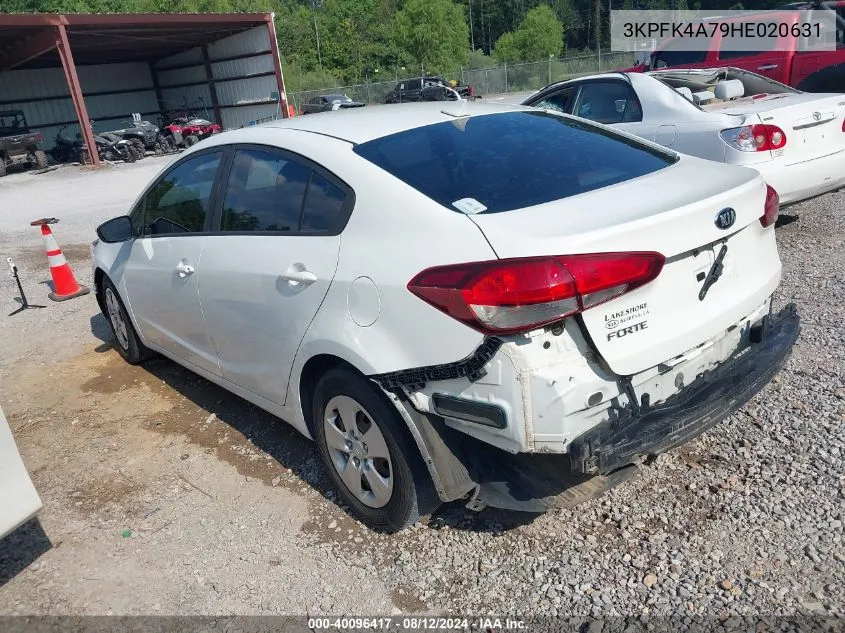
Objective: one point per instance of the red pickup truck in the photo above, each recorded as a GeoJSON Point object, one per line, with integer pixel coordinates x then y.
{"type": "Point", "coordinates": [789, 60]}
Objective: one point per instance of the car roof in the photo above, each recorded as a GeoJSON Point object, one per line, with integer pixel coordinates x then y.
{"type": "Point", "coordinates": [359, 125]}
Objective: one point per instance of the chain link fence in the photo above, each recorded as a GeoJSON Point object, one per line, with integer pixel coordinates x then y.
{"type": "Point", "coordinates": [487, 81]}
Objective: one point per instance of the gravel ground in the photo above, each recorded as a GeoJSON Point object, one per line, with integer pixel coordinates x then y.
{"type": "Point", "coordinates": [228, 512]}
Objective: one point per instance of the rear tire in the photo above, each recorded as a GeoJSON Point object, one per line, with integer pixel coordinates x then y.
{"type": "Point", "coordinates": [369, 453]}
{"type": "Point", "coordinates": [126, 340]}
{"type": "Point", "coordinates": [131, 154]}
{"type": "Point", "coordinates": [2, 166]}
{"type": "Point", "coordinates": [40, 159]}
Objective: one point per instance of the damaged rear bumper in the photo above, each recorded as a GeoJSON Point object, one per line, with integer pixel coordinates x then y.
{"type": "Point", "coordinates": [599, 459]}
{"type": "Point", "coordinates": [692, 411]}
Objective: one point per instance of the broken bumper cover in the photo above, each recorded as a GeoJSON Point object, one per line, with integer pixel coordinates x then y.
{"type": "Point", "coordinates": [691, 412]}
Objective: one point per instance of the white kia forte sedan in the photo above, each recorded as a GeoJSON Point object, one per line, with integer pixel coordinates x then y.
{"type": "Point", "coordinates": [497, 305]}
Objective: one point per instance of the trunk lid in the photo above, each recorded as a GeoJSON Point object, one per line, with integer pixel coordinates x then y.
{"type": "Point", "coordinates": [812, 123]}
{"type": "Point", "coordinates": [672, 211]}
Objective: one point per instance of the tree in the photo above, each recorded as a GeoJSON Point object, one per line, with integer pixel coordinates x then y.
{"type": "Point", "coordinates": [434, 33]}
{"type": "Point", "coordinates": [539, 35]}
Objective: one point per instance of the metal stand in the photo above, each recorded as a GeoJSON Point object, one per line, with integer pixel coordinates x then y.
{"type": "Point", "coordinates": [25, 305]}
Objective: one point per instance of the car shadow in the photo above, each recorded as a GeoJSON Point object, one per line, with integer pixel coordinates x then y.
{"type": "Point", "coordinates": [268, 433]}
{"type": "Point", "coordinates": [20, 548]}
{"type": "Point", "coordinates": [101, 328]}
{"type": "Point", "coordinates": [288, 448]}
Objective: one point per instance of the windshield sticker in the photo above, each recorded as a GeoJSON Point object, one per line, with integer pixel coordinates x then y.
{"type": "Point", "coordinates": [470, 206]}
{"type": "Point", "coordinates": [613, 320]}
{"type": "Point", "coordinates": [627, 330]}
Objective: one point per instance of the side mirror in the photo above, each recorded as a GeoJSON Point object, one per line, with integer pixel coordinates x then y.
{"type": "Point", "coordinates": [116, 230]}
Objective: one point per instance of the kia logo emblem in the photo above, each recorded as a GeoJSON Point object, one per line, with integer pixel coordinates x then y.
{"type": "Point", "coordinates": [725, 218]}
{"type": "Point", "coordinates": [817, 116]}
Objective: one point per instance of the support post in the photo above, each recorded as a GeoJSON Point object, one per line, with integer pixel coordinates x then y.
{"type": "Point", "coordinates": [76, 93]}
{"type": "Point", "coordinates": [212, 89]}
{"type": "Point", "coordinates": [162, 106]}
{"type": "Point", "coordinates": [277, 65]}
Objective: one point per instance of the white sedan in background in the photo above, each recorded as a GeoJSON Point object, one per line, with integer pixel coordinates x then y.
{"type": "Point", "coordinates": [796, 140]}
{"type": "Point", "coordinates": [456, 300]}
{"type": "Point", "coordinates": [19, 501]}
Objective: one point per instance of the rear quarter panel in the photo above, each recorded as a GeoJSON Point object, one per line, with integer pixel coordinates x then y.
{"type": "Point", "coordinates": [393, 234]}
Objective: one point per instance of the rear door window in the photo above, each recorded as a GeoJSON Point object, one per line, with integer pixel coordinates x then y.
{"type": "Point", "coordinates": [324, 206]}
{"type": "Point", "coordinates": [608, 102]}
{"type": "Point", "coordinates": [265, 192]}
{"type": "Point", "coordinates": [505, 161]}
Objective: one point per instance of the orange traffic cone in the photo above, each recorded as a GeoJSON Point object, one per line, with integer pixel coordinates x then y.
{"type": "Point", "coordinates": [64, 283]}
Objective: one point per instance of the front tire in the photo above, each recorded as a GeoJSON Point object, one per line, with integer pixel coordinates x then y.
{"type": "Point", "coordinates": [191, 139]}
{"type": "Point", "coordinates": [369, 454]}
{"type": "Point", "coordinates": [127, 343]}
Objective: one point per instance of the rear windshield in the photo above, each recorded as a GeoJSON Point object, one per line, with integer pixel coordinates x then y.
{"type": "Point", "coordinates": [500, 162]}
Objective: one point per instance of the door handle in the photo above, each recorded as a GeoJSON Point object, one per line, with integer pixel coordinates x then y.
{"type": "Point", "coordinates": [767, 67]}
{"type": "Point", "coordinates": [296, 276]}
{"type": "Point", "coordinates": [184, 270]}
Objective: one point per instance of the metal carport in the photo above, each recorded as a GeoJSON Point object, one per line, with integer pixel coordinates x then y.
{"type": "Point", "coordinates": [118, 64]}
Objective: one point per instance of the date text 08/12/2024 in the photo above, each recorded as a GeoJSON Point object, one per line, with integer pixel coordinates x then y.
{"type": "Point", "coordinates": [415, 623]}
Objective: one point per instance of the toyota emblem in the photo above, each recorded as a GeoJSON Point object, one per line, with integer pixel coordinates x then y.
{"type": "Point", "coordinates": [817, 116]}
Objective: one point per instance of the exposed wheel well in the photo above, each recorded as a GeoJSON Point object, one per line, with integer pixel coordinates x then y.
{"type": "Point", "coordinates": [315, 367]}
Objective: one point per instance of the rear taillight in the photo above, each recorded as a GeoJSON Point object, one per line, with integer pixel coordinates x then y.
{"type": "Point", "coordinates": [754, 138]}
{"type": "Point", "coordinates": [472, 92]}
{"type": "Point", "coordinates": [771, 209]}
{"type": "Point", "coordinates": [39, 138]}
{"type": "Point", "coordinates": [515, 295]}
{"type": "Point", "coordinates": [843, 125]}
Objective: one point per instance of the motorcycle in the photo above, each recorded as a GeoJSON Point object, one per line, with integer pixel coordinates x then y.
{"type": "Point", "coordinates": [67, 150]}
{"type": "Point", "coordinates": [112, 147]}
